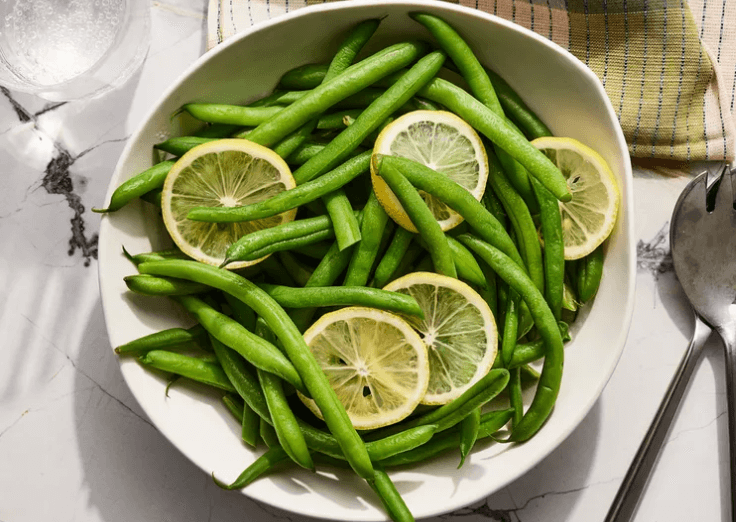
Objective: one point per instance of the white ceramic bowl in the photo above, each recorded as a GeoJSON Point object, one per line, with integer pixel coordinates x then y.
{"type": "Point", "coordinates": [559, 88]}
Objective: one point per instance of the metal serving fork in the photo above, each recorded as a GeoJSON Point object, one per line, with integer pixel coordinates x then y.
{"type": "Point", "coordinates": [703, 243]}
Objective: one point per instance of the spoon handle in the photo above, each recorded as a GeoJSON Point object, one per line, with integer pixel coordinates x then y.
{"type": "Point", "coordinates": [627, 498]}
{"type": "Point", "coordinates": [728, 334]}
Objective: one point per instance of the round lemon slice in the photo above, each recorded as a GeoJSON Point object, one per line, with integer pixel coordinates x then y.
{"type": "Point", "coordinates": [442, 141]}
{"type": "Point", "coordinates": [222, 173]}
{"type": "Point", "coordinates": [458, 329]}
{"type": "Point", "coordinates": [589, 218]}
{"type": "Point", "coordinates": [375, 362]}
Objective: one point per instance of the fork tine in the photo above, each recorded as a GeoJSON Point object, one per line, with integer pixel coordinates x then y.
{"type": "Point", "coordinates": [724, 196]}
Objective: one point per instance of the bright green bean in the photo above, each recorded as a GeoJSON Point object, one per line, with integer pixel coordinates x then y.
{"type": "Point", "coordinates": [206, 372]}
{"type": "Point", "coordinates": [389, 495]}
{"type": "Point", "coordinates": [150, 179]}
{"type": "Point", "coordinates": [515, 107]}
{"type": "Point", "coordinates": [181, 145]}
{"type": "Point", "coordinates": [161, 286]}
{"type": "Point", "coordinates": [554, 248]}
{"type": "Point", "coordinates": [350, 47]}
{"type": "Point", "coordinates": [344, 222]}
{"type": "Point", "coordinates": [354, 79]}
{"type": "Point", "coordinates": [289, 244]}
{"type": "Point", "coordinates": [258, 468]}
{"type": "Point", "coordinates": [293, 141]}
{"type": "Point", "coordinates": [392, 258]}
{"type": "Point", "coordinates": [285, 424]}
{"type": "Point", "coordinates": [422, 218]}
{"type": "Point", "coordinates": [337, 120]}
{"type": "Point", "coordinates": [458, 199]}
{"type": "Point", "coordinates": [231, 114]}
{"type": "Point", "coordinates": [304, 153]}
{"type": "Point", "coordinates": [306, 76]}
{"type": "Point", "coordinates": [137, 259]}
{"type": "Point", "coordinates": [469, 428]}
{"type": "Point", "coordinates": [467, 267]}
{"type": "Point", "coordinates": [589, 274]}
{"type": "Point", "coordinates": [242, 377]}
{"type": "Point", "coordinates": [296, 348]}
{"type": "Point", "coordinates": [371, 117]}
{"type": "Point", "coordinates": [551, 378]}
{"type": "Point", "coordinates": [255, 350]}
{"type": "Point", "coordinates": [496, 129]}
{"type": "Point", "coordinates": [364, 254]}
{"type": "Point", "coordinates": [164, 340]}
{"type": "Point", "coordinates": [343, 296]}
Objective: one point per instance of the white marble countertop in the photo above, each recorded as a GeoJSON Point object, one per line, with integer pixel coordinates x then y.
{"type": "Point", "coordinates": [75, 445]}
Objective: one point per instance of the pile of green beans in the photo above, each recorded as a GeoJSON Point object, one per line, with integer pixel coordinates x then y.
{"type": "Point", "coordinates": [342, 249]}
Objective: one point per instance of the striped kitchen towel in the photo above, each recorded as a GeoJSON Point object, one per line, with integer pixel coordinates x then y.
{"type": "Point", "coordinates": [668, 66]}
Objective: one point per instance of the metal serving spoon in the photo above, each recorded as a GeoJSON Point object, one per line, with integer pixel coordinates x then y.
{"type": "Point", "coordinates": [703, 247]}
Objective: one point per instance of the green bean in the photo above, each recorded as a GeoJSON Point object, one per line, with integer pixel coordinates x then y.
{"type": "Point", "coordinates": [258, 468]}
{"type": "Point", "coordinates": [164, 340]}
{"type": "Point", "coordinates": [285, 424]}
{"type": "Point", "coordinates": [206, 372]}
{"type": "Point", "coordinates": [241, 312]}
{"type": "Point", "coordinates": [490, 423]}
{"type": "Point", "coordinates": [337, 120]}
{"type": "Point", "coordinates": [467, 267]}
{"type": "Point", "coordinates": [589, 274]}
{"type": "Point", "coordinates": [255, 350]}
{"type": "Point", "coordinates": [273, 268]}
{"type": "Point", "coordinates": [287, 244]}
{"type": "Point", "coordinates": [390, 498]}
{"type": "Point", "coordinates": [296, 348]}
{"type": "Point", "coordinates": [137, 259]}
{"type": "Point", "coordinates": [267, 237]}
{"type": "Point", "coordinates": [268, 434]}
{"type": "Point", "coordinates": [364, 254]}
{"type": "Point", "coordinates": [153, 197]}
{"type": "Point", "coordinates": [422, 218]}
{"type": "Point", "coordinates": [181, 145]}
{"type": "Point", "coordinates": [343, 296]}
{"type": "Point", "coordinates": [242, 377]}
{"type": "Point", "coordinates": [521, 220]}
{"type": "Point", "coordinates": [457, 198]}
{"type": "Point", "coordinates": [279, 98]}
{"type": "Point", "coordinates": [549, 382]}
{"type": "Point", "coordinates": [306, 76]}
{"type": "Point", "coordinates": [304, 153]}
{"type": "Point", "coordinates": [453, 412]}
{"type": "Point", "coordinates": [425, 105]}
{"type": "Point", "coordinates": [354, 79]}
{"type": "Point", "coordinates": [250, 426]}
{"type": "Point", "coordinates": [469, 428]}
{"type": "Point", "coordinates": [344, 222]}
{"type": "Point", "coordinates": [217, 130]}
{"type": "Point", "coordinates": [150, 179]}
{"type": "Point", "coordinates": [496, 129]}
{"type": "Point", "coordinates": [371, 117]}
{"type": "Point", "coordinates": [231, 114]}
{"type": "Point", "coordinates": [554, 247]}
{"type": "Point", "coordinates": [392, 258]}
{"type": "Point", "coordinates": [299, 272]}
{"type": "Point", "coordinates": [519, 178]}
{"type": "Point", "coordinates": [515, 107]}
{"type": "Point", "coordinates": [234, 404]}
{"type": "Point", "coordinates": [161, 286]}
{"type": "Point", "coordinates": [293, 141]}
{"type": "Point", "coordinates": [526, 353]}
{"type": "Point", "coordinates": [350, 47]}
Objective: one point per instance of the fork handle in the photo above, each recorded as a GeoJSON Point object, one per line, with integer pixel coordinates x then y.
{"type": "Point", "coordinates": [728, 334]}
{"type": "Point", "coordinates": [635, 481]}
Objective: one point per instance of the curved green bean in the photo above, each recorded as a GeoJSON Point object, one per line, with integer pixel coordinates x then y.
{"type": "Point", "coordinates": [162, 286]}
{"type": "Point", "coordinates": [255, 350]}
{"type": "Point", "coordinates": [343, 296]}
{"type": "Point", "coordinates": [260, 466]}
{"type": "Point", "coordinates": [150, 179]}
{"type": "Point", "coordinates": [344, 222]}
{"type": "Point", "coordinates": [206, 372]}
{"type": "Point", "coordinates": [457, 198]}
{"type": "Point", "coordinates": [589, 274]}
{"type": "Point", "coordinates": [350, 47]}
{"type": "Point", "coordinates": [165, 339]}
{"type": "Point", "coordinates": [352, 80]}
{"type": "Point", "coordinates": [364, 254]}
{"type": "Point", "coordinates": [422, 218]}
{"type": "Point", "coordinates": [551, 377]}
{"type": "Point", "coordinates": [181, 145]}
{"type": "Point", "coordinates": [231, 114]}
{"type": "Point", "coordinates": [296, 348]}
{"type": "Point", "coordinates": [469, 428]}
{"type": "Point", "coordinates": [306, 76]}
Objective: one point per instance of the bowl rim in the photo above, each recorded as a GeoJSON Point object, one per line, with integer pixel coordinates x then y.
{"type": "Point", "coordinates": [626, 215]}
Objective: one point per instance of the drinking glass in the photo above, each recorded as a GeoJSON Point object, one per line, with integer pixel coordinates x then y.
{"type": "Point", "coordinates": [64, 50]}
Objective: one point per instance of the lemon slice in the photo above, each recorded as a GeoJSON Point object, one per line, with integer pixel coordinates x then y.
{"type": "Point", "coordinates": [375, 362]}
{"type": "Point", "coordinates": [442, 141]}
{"type": "Point", "coordinates": [587, 219]}
{"type": "Point", "coordinates": [458, 329]}
{"type": "Point", "coordinates": [222, 173]}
